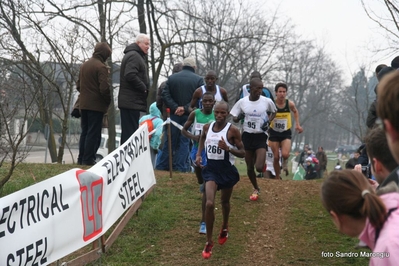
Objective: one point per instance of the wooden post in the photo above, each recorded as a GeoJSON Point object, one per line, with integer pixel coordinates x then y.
{"type": "Point", "coordinates": [170, 144]}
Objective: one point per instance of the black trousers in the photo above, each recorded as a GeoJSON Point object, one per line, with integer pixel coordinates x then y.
{"type": "Point", "coordinates": [129, 122]}
{"type": "Point", "coordinates": [90, 138]}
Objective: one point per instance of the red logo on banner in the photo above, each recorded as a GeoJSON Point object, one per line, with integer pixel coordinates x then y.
{"type": "Point", "coordinates": [91, 189]}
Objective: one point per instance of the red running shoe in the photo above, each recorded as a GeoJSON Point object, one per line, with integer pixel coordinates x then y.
{"type": "Point", "coordinates": [254, 196]}
{"type": "Point", "coordinates": [207, 252]}
{"type": "Point", "coordinates": [223, 235]}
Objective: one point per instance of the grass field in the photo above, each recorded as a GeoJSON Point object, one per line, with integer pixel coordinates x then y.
{"type": "Point", "coordinates": [286, 226]}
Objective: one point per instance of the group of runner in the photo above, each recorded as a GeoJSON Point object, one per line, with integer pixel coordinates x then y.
{"type": "Point", "coordinates": [216, 142]}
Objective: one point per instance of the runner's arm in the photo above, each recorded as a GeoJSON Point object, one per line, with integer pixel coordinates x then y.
{"type": "Point", "coordinates": [236, 111]}
{"type": "Point", "coordinates": [224, 94]}
{"type": "Point", "coordinates": [271, 117]}
{"type": "Point", "coordinates": [234, 136]}
{"type": "Point", "coordinates": [296, 116]}
{"type": "Point", "coordinates": [187, 125]}
{"type": "Point", "coordinates": [195, 98]}
{"type": "Point", "coordinates": [201, 144]}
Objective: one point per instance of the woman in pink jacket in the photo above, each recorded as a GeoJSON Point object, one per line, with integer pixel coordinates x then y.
{"type": "Point", "coordinates": [358, 212]}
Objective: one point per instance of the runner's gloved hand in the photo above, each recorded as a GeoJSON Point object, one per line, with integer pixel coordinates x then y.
{"type": "Point", "coordinates": [241, 116]}
{"type": "Point", "coordinates": [265, 126]}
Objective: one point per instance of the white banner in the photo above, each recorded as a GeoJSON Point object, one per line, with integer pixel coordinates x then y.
{"type": "Point", "coordinates": [49, 220]}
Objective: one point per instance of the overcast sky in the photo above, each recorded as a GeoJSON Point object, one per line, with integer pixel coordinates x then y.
{"type": "Point", "coordinates": [343, 26]}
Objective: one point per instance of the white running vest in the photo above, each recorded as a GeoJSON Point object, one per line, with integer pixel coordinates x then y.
{"type": "Point", "coordinates": [213, 152]}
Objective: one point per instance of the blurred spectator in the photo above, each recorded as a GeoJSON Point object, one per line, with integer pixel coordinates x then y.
{"type": "Point", "coordinates": [94, 99]}
{"type": "Point", "coordinates": [388, 110]}
{"type": "Point", "coordinates": [350, 164]}
{"type": "Point", "coordinates": [357, 211]}
{"type": "Point", "coordinates": [303, 155]}
{"type": "Point", "coordinates": [134, 85]}
{"type": "Point", "coordinates": [322, 158]}
{"type": "Point", "coordinates": [177, 96]}
{"type": "Point", "coordinates": [160, 103]}
{"type": "Point", "coordinates": [395, 63]}
{"type": "Point", "coordinates": [155, 120]}
{"type": "Point", "coordinates": [381, 71]}
{"type": "Point", "coordinates": [381, 160]}
{"type": "Point", "coordinates": [311, 172]}
{"type": "Point", "coordinates": [338, 166]}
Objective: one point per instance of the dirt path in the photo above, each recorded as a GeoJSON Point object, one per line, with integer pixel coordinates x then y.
{"type": "Point", "coordinates": [267, 217]}
{"type": "Point", "coordinates": [268, 240]}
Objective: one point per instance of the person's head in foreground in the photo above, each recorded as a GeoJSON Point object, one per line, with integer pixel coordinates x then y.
{"type": "Point", "coordinates": [350, 200]}
{"type": "Point", "coordinates": [388, 110]}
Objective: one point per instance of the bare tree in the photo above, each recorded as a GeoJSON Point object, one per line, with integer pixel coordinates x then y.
{"type": "Point", "coordinates": [313, 81]}
{"type": "Point", "coordinates": [388, 21]}
{"type": "Point", "coordinates": [353, 106]}
{"type": "Point", "coordinates": [17, 104]}
{"type": "Point", "coordinates": [29, 38]}
{"type": "Point", "coordinates": [232, 45]}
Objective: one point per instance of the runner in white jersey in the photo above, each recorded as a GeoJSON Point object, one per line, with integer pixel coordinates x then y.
{"type": "Point", "coordinates": [257, 112]}
{"type": "Point", "coordinates": [270, 173]}
{"type": "Point", "coordinates": [210, 85]}
{"type": "Point", "coordinates": [222, 141]}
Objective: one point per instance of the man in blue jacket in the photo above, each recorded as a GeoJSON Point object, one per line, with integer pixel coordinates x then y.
{"type": "Point", "coordinates": [177, 96]}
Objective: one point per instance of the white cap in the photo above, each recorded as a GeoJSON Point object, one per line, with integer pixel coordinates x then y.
{"type": "Point", "coordinates": [189, 61]}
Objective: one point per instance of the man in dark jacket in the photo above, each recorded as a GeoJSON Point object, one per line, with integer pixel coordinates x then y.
{"type": "Point", "coordinates": [322, 157]}
{"type": "Point", "coordinates": [160, 103]}
{"type": "Point", "coordinates": [380, 72]}
{"type": "Point", "coordinates": [134, 85]}
{"type": "Point", "coordinates": [177, 96]}
{"type": "Point", "coordinates": [94, 99]}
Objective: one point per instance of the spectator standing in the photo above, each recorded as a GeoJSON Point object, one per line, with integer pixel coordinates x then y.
{"type": "Point", "coordinates": [380, 71]}
{"type": "Point", "coordinates": [177, 94]}
{"type": "Point", "coordinates": [134, 85]}
{"type": "Point", "coordinates": [322, 158]}
{"type": "Point", "coordinates": [303, 155]}
{"type": "Point", "coordinates": [160, 103]}
{"type": "Point", "coordinates": [154, 118]}
{"type": "Point", "coordinates": [94, 100]}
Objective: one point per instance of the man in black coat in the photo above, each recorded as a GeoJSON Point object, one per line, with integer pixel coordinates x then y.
{"type": "Point", "coordinates": [177, 94]}
{"type": "Point", "coordinates": [134, 85]}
